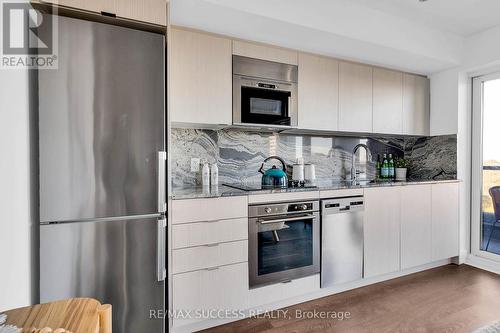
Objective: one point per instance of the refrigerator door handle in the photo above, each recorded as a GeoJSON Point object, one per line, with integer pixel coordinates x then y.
{"type": "Point", "coordinates": [160, 249]}
{"type": "Point", "coordinates": [162, 164]}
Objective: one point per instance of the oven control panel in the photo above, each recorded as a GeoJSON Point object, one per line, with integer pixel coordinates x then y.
{"type": "Point", "coordinates": [282, 208]}
{"type": "Point", "coordinates": [300, 207]}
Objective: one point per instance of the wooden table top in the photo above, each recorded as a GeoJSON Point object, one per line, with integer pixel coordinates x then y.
{"type": "Point", "coordinates": [77, 315]}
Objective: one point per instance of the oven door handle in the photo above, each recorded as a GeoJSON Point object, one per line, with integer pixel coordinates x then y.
{"type": "Point", "coordinates": [261, 221]}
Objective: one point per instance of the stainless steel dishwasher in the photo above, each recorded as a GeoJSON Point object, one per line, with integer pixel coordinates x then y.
{"type": "Point", "coordinates": [341, 240]}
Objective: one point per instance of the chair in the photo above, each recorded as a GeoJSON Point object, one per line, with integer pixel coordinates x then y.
{"type": "Point", "coordinates": [76, 315]}
{"type": "Point", "coordinates": [495, 197]}
{"type": "Point", "coordinates": [105, 318]}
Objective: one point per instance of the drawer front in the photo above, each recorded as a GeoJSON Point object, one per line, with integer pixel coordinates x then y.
{"type": "Point", "coordinates": [197, 210]}
{"type": "Point", "coordinates": [203, 233]}
{"type": "Point", "coordinates": [281, 291]}
{"type": "Point", "coordinates": [200, 257]}
{"type": "Point", "coordinates": [224, 288]}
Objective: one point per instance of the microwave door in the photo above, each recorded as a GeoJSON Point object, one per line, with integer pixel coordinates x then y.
{"type": "Point", "coordinates": [265, 106]}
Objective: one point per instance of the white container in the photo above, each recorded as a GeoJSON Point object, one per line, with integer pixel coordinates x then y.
{"type": "Point", "coordinates": [205, 175]}
{"type": "Point", "coordinates": [310, 173]}
{"type": "Point", "coordinates": [401, 173]}
{"type": "Point", "coordinates": [298, 172]}
{"type": "Point", "coordinates": [214, 175]}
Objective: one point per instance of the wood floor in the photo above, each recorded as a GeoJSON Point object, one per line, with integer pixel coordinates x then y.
{"type": "Point", "coordinates": [445, 299]}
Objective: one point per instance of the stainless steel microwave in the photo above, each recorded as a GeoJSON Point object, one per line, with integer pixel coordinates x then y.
{"type": "Point", "coordinates": [264, 93]}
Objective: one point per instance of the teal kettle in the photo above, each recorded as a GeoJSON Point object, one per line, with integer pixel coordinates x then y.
{"type": "Point", "coordinates": [274, 177]}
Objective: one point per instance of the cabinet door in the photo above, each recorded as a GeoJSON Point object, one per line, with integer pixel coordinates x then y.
{"type": "Point", "coordinates": [264, 52]}
{"type": "Point", "coordinates": [201, 72]}
{"type": "Point", "coordinates": [355, 97]}
{"type": "Point", "coordinates": [416, 117]}
{"type": "Point", "coordinates": [223, 288]}
{"type": "Point", "coordinates": [387, 101]}
{"type": "Point", "coordinates": [152, 11]}
{"type": "Point", "coordinates": [381, 230]}
{"type": "Point", "coordinates": [415, 225]}
{"type": "Point", "coordinates": [98, 6]}
{"type": "Point", "coordinates": [318, 92]}
{"type": "Point", "coordinates": [445, 220]}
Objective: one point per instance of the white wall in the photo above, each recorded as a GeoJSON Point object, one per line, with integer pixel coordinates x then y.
{"type": "Point", "coordinates": [18, 273]}
{"type": "Point", "coordinates": [451, 104]}
{"type": "Point", "coordinates": [15, 191]}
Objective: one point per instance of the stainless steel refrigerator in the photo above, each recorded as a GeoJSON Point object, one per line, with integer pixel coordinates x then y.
{"type": "Point", "coordinates": [102, 172]}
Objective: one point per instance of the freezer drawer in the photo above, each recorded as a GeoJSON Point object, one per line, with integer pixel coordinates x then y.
{"type": "Point", "coordinates": [341, 240]}
{"type": "Point", "coordinates": [116, 262]}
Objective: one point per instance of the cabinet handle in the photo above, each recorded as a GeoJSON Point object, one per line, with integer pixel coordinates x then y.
{"type": "Point", "coordinates": [212, 268]}
{"type": "Point", "coordinates": [212, 245]}
{"type": "Point", "coordinates": [162, 160]}
{"type": "Point", "coordinates": [161, 270]}
{"type": "Point", "coordinates": [108, 14]}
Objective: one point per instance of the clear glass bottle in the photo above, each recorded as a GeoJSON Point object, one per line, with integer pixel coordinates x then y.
{"type": "Point", "coordinates": [385, 168]}
{"type": "Point", "coordinates": [391, 167]}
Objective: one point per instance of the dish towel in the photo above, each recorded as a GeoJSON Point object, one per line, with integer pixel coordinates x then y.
{"type": "Point", "coordinates": [493, 328]}
{"type": "Point", "coordinates": [7, 328]}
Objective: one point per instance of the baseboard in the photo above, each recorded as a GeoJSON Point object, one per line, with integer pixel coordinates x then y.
{"type": "Point", "coordinates": [311, 296]}
{"type": "Point", "coordinates": [483, 263]}
{"type": "Point", "coordinates": [461, 259]}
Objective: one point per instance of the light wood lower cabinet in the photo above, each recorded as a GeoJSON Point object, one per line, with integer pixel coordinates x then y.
{"type": "Point", "coordinates": [206, 233]}
{"type": "Point", "coordinates": [382, 230]}
{"type": "Point", "coordinates": [445, 220]}
{"type": "Point", "coordinates": [213, 209]}
{"type": "Point", "coordinates": [209, 256]}
{"type": "Point", "coordinates": [224, 288]}
{"type": "Point", "coordinates": [416, 225]}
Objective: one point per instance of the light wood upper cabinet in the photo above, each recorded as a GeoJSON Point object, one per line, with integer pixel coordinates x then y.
{"type": "Point", "coordinates": [201, 75]}
{"type": "Point", "coordinates": [150, 11]}
{"type": "Point", "coordinates": [381, 230]}
{"type": "Point", "coordinates": [387, 101]}
{"type": "Point", "coordinates": [98, 6]}
{"type": "Point", "coordinates": [416, 114]}
{"type": "Point", "coordinates": [265, 52]}
{"type": "Point", "coordinates": [416, 226]}
{"type": "Point", "coordinates": [355, 97]}
{"type": "Point", "coordinates": [445, 220]}
{"type": "Point", "coordinates": [318, 92]}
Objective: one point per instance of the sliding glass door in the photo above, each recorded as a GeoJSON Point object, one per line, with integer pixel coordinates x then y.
{"type": "Point", "coordinates": [485, 234]}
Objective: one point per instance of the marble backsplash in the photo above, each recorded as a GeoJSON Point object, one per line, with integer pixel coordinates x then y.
{"type": "Point", "coordinates": [239, 154]}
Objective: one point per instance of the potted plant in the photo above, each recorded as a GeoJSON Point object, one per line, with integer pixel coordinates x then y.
{"type": "Point", "coordinates": [402, 165]}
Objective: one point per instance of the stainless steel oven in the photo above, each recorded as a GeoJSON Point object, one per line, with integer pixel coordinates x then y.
{"type": "Point", "coordinates": [283, 241]}
{"type": "Point", "coordinates": [264, 93]}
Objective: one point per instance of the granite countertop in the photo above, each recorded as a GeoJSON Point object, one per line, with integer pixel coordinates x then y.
{"type": "Point", "coordinates": [321, 185]}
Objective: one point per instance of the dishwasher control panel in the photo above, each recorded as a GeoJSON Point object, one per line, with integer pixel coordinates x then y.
{"type": "Point", "coordinates": [338, 205]}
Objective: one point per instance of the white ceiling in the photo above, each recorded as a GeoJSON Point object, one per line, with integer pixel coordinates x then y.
{"type": "Point", "coordinates": [463, 17]}
{"type": "Point", "coordinates": [421, 37]}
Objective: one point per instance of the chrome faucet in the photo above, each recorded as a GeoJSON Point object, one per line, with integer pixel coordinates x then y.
{"type": "Point", "coordinates": [354, 171]}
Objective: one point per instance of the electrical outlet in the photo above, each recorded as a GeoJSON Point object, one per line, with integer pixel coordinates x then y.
{"type": "Point", "coordinates": [195, 165]}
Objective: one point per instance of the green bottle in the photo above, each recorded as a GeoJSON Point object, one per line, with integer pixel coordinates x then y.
{"type": "Point", "coordinates": [379, 167]}
{"type": "Point", "coordinates": [384, 173]}
{"type": "Point", "coordinates": [391, 167]}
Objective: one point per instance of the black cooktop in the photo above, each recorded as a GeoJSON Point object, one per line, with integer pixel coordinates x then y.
{"type": "Point", "coordinates": [252, 188]}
